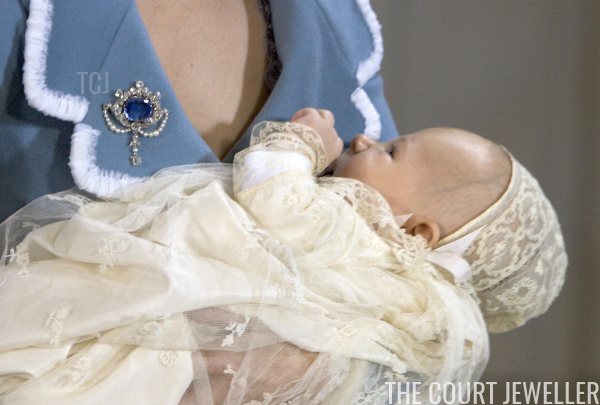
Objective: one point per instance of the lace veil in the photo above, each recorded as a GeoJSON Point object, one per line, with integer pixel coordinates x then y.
{"type": "Point", "coordinates": [519, 259]}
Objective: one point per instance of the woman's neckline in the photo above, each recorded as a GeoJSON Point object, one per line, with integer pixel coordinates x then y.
{"type": "Point", "coordinates": [196, 68]}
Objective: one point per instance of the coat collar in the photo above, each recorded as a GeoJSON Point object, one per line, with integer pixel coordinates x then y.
{"type": "Point", "coordinates": [50, 72]}
{"type": "Point", "coordinates": [60, 59]}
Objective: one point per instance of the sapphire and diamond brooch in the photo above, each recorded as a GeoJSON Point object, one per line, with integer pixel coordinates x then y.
{"type": "Point", "coordinates": [136, 109]}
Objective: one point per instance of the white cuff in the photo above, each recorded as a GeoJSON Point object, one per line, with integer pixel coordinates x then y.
{"type": "Point", "coordinates": [260, 166]}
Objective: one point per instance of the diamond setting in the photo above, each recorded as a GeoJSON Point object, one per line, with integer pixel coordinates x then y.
{"type": "Point", "coordinates": [136, 109]}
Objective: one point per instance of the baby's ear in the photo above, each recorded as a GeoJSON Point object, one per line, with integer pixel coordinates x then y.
{"type": "Point", "coordinates": [421, 225]}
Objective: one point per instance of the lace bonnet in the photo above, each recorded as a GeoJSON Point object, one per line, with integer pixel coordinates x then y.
{"type": "Point", "coordinates": [518, 259]}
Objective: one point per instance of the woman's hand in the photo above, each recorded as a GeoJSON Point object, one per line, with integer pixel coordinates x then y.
{"type": "Point", "coordinates": [322, 121]}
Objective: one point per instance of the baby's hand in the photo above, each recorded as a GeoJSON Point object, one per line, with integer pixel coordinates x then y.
{"type": "Point", "coordinates": [322, 122]}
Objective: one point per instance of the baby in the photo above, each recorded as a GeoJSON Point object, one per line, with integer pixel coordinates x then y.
{"type": "Point", "coordinates": [392, 269]}
{"type": "Point", "coordinates": [454, 183]}
{"type": "Point", "coordinates": [444, 177]}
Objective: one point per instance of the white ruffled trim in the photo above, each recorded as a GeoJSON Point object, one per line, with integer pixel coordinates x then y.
{"type": "Point", "coordinates": [363, 103]}
{"type": "Point", "coordinates": [366, 70]}
{"type": "Point", "coordinates": [67, 107]}
{"type": "Point", "coordinates": [368, 67]}
{"type": "Point", "coordinates": [50, 102]}
{"type": "Point", "coordinates": [82, 162]}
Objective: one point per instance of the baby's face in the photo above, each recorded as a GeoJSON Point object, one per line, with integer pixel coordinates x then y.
{"type": "Point", "coordinates": [408, 170]}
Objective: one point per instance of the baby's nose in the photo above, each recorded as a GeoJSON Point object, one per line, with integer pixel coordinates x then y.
{"type": "Point", "coordinates": [361, 143]}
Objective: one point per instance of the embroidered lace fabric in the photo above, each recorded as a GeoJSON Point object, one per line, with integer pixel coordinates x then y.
{"type": "Point", "coordinates": [519, 259]}
{"type": "Point", "coordinates": [185, 289]}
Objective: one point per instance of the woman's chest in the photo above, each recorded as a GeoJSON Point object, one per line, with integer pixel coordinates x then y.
{"type": "Point", "coordinates": [212, 52]}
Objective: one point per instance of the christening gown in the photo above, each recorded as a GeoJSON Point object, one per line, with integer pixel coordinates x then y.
{"type": "Point", "coordinates": [215, 275]}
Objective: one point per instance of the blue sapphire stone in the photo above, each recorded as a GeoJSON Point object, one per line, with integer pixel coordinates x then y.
{"type": "Point", "coordinates": [138, 109]}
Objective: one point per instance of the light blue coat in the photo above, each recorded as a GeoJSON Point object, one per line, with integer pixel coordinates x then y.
{"type": "Point", "coordinates": [330, 51]}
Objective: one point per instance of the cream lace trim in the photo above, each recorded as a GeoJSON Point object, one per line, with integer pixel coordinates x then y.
{"type": "Point", "coordinates": [282, 136]}
{"type": "Point", "coordinates": [519, 259]}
